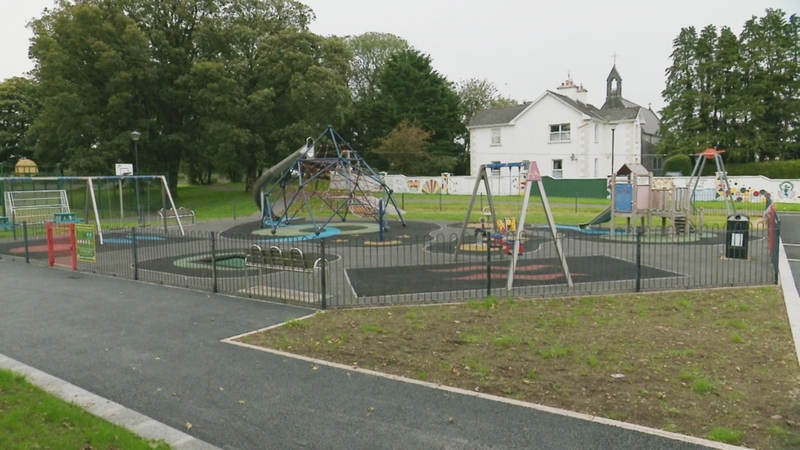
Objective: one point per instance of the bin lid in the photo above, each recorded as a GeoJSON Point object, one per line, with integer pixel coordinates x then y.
{"type": "Point", "coordinates": [738, 218]}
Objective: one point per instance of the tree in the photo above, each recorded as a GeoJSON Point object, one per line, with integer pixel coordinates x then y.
{"type": "Point", "coordinates": [740, 94]}
{"type": "Point", "coordinates": [405, 148]}
{"type": "Point", "coordinates": [18, 110]}
{"type": "Point", "coordinates": [679, 125]}
{"type": "Point", "coordinates": [370, 52]}
{"type": "Point", "coordinates": [213, 85]}
{"type": "Point", "coordinates": [410, 89]}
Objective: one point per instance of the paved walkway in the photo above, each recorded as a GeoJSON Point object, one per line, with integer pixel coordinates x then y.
{"type": "Point", "coordinates": [157, 351]}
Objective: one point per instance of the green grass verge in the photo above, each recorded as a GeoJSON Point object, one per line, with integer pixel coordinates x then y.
{"type": "Point", "coordinates": [31, 418]}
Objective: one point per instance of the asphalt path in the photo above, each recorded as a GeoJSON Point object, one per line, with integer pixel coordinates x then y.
{"type": "Point", "coordinates": [790, 235]}
{"type": "Point", "coordinates": [157, 350]}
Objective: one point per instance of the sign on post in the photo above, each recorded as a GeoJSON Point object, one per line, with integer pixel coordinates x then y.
{"type": "Point", "coordinates": [85, 243]}
{"type": "Point", "coordinates": [123, 169]}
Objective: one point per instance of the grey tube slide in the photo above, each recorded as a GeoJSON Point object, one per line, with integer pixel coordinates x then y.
{"type": "Point", "coordinates": [275, 171]}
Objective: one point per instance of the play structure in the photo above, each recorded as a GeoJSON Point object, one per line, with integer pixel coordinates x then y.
{"type": "Point", "coordinates": [639, 197]}
{"type": "Point", "coordinates": [326, 173]}
{"type": "Point", "coordinates": [39, 200]}
{"type": "Point", "coordinates": [501, 231]}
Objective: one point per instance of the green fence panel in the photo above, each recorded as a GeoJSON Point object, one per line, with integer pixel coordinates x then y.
{"type": "Point", "coordinates": [581, 188]}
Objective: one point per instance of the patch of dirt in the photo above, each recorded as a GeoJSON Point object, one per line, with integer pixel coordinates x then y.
{"type": "Point", "coordinates": [716, 364]}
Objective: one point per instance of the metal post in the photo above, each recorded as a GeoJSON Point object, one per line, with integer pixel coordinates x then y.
{"type": "Point", "coordinates": [638, 259]}
{"type": "Point", "coordinates": [380, 220]}
{"type": "Point", "coordinates": [135, 255]}
{"type": "Point", "coordinates": [323, 282]}
{"type": "Point", "coordinates": [25, 240]}
{"type": "Point", "coordinates": [136, 172]}
{"type": "Point", "coordinates": [489, 265]}
{"type": "Point", "coordinates": [234, 209]}
{"type": "Point", "coordinates": [440, 200]}
{"type": "Point", "coordinates": [214, 263]}
{"type": "Point", "coordinates": [403, 199]}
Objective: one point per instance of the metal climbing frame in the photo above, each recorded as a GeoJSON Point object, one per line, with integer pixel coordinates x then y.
{"type": "Point", "coordinates": [299, 182]}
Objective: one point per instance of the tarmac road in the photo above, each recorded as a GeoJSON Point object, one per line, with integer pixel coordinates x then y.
{"type": "Point", "coordinates": [157, 350]}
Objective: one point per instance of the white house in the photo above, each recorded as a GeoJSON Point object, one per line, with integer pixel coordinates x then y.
{"type": "Point", "coordinates": [568, 137]}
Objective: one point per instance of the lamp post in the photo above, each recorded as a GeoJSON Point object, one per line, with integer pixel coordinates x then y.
{"type": "Point", "coordinates": [135, 135]}
{"type": "Point", "coordinates": [613, 128]}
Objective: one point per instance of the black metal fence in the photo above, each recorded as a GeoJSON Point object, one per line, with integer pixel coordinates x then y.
{"type": "Point", "coordinates": [350, 271]}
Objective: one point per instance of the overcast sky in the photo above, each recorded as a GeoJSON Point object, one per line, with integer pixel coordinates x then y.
{"type": "Point", "coordinates": [523, 46]}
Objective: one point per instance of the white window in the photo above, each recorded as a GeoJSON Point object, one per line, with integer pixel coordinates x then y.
{"type": "Point", "coordinates": [558, 171]}
{"type": "Point", "coordinates": [496, 136]}
{"type": "Point", "coordinates": [559, 132]}
{"type": "Point", "coordinates": [596, 133]}
{"type": "Point", "coordinates": [595, 167]}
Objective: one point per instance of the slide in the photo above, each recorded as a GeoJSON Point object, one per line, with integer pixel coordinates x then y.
{"type": "Point", "coordinates": [274, 172]}
{"type": "Point", "coordinates": [603, 217]}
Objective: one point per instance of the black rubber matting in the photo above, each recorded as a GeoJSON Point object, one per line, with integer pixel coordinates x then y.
{"type": "Point", "coordinates": [370, 282]}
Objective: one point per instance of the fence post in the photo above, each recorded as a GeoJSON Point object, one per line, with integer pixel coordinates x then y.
{"type": "Point", "coordinates": [51, 255]}
{"type": "Point", "coordinates": [214, 262]}
{"type": "Point", "coordinates": [576, 204]}
{"type": "Point", "coordinates": [234, 209]}
{"type": "Point", "coordinates": [135, 254]}
{"type": "Point", "coordinates": [488, 264]}
{"type": "Point", "coordinates": [323, 282]}
{"type": "Point", "coordinates": [403, 200]}
{"type": "Point", "coordinates": [638, 259]}
{"type": "Point", "coordinates": [440, 200]}
{"type": "Point", "coordinates": [25, 240]}
{"type": "Point", "coordinates": [776, 248]}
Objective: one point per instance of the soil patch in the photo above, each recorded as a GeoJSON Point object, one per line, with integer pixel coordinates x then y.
{"type": "Point", "coordinates": [716, 364]}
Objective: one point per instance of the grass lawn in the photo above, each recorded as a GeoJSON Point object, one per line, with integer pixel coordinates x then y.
{"type": "Point", "coordinates": [716, 364]}
{"type": "Point", "coordinates": [31, 418]}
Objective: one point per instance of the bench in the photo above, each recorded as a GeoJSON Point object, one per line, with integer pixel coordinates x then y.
{"type": "Point", "coordinates": [60, 218]}
{"type": "Point", "coordinates": [170, 213]}
{"type": "Point", "coordinates": [274, 258]}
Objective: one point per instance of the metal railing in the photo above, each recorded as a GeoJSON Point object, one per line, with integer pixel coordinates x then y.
{"type": "Point", "coordinates": [352, 271]}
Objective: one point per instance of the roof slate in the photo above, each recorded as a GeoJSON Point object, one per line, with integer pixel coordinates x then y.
{"type": "Point", "coordinates": [497, 116]}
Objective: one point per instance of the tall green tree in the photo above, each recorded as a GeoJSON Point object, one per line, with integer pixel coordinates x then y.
{"type": "Point", "coordinates": [213, 85]}
{"type": "Point", "coordinates": [740, 94]}
{"type": "Point", "coordinates": [370, 52]}
{"type": "Point", "coordinates": [679, 123]}
{"type": "Point", "coordinates": [410, 89]}
{"type": "Point", "coordinates": [18, 110]}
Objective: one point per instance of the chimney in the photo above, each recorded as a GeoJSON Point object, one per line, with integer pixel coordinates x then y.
{"type": "Point", "coordinates": [568, 89]}
{"type": "Point", "coordinates": [580, 95]}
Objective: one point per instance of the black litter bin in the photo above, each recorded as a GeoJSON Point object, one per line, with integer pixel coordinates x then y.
{"type": "Point", "coordinates": [737, 236]}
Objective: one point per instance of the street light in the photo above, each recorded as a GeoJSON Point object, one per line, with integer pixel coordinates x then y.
{"type": "Point", "coordinates": [135, 135]}
{"type": "Point", "coordinates": [613, 128]}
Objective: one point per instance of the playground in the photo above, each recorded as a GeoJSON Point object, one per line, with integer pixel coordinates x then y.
{"type": "Point", "coordinates": [329, 233]}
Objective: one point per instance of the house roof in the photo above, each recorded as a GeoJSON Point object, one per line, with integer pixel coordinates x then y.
{"type": "Point", "coordinates": [620, 113]}
{"type": "Point", "coordinates": [651, 121]}
{"type": "Point", "coordinates": [497, 116]}
{"type": "Point", "coordinates": [585, 108]}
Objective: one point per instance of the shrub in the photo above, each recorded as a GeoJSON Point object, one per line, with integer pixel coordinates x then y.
{"type": "Point", "coordinates": [775, 170]}
{"type": "Point", "coordinates": [678, 163]}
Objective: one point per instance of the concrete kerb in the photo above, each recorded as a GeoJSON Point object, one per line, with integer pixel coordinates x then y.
{"type": "Point", "coordinates": [790, 296]}
{"type": "Point", "coordinates": [105, 409]}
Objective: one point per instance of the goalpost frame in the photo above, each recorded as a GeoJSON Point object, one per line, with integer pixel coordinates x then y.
{"type": "Point", "coordinates": [90, 183]}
